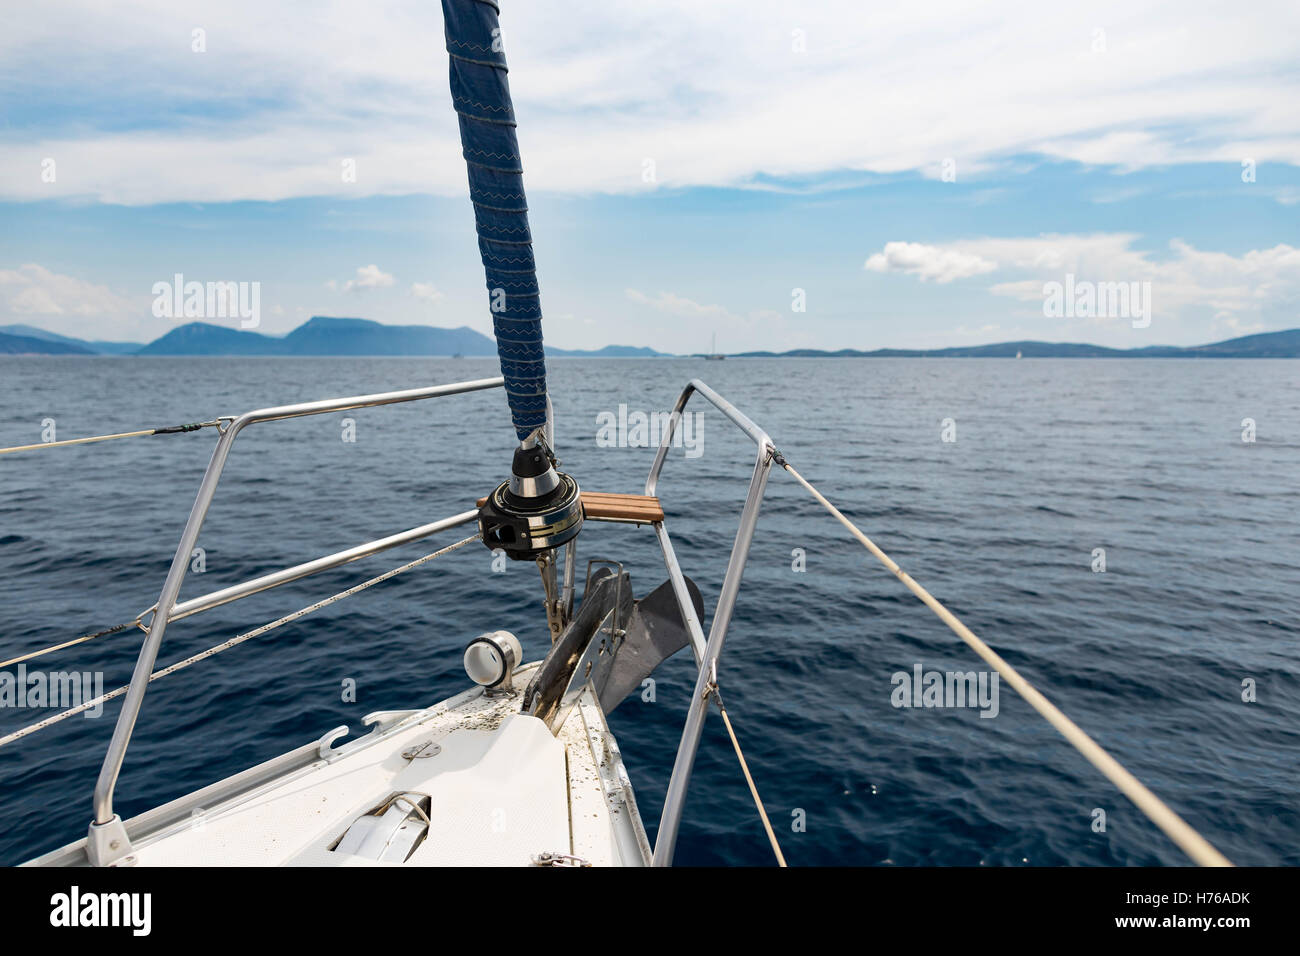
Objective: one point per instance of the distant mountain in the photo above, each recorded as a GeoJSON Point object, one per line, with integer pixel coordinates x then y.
{"type": "Point", "coordinates": [609, 351]}
{"type": "Point", "coordinates": [324, 335]}
{"type": "Point", "coordinates": [321, 335]}
{"type": "Point", "coordinates": [1264, 345]}
{"type": "Point", "coordinates": [96, 346]}
{"type": "Point", "coordinates": [202, 338]}
{"type": "Point", "coordinates": [31, 345]}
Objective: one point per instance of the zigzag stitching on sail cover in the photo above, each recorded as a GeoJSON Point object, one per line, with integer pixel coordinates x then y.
{"type": "Point", "coordinates": [470, 46]}
{"type": "Point", "coordinates": [482, 106]}
{"type": "Point", "coordinates": [483, 152]}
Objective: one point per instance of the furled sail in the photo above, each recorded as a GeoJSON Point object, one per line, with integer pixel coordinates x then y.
{"type": "Point", "coordinates": [481, 95]}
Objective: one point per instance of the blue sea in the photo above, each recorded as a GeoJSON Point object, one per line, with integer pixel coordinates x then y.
{"type": "Point", "coordinates": [1198, 605]}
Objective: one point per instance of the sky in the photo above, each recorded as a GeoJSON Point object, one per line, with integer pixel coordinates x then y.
{"type": "Point", "coordinates": [779, 174]}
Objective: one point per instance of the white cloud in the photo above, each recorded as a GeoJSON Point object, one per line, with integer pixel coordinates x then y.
{"type": "Point", "coordinates": [680, 305]}
{"type": "Point", "coordinates": [427, 291]}
{"type": "Point", "coordinates": [1252, 291]}
{"type": "Point", "coordinates": [695, 322]}
{"type": "Point", "coordinates": [714, 92]}
{"type": "Point", "coordinates": [368, 277]}
{"type": "Point", "coordinates": [33, 290]}
{"type": "Point", "coordinates": [929, 262]}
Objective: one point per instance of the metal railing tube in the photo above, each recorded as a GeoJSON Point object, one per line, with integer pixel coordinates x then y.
{"type": "Point", "coordinates": [684, 602]}
{"type": "Point", "coordinates": [235, 592]}
{"type": "Point", "coordinates": [675, 800]}
{"type": "Point", "coordinates": [112, 766]}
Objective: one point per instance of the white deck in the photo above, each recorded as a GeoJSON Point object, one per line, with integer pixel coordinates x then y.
{"type": "Point", "coordinates": [501, 790]}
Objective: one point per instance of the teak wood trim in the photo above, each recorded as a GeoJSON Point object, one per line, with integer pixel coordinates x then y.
{"type": "Point", "coordinates": [616, 507]}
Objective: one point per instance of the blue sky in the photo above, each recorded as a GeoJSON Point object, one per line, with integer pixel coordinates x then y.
{"type": "Point", "coordinates": [919, 173]}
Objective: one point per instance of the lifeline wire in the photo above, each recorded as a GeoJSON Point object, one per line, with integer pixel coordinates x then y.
{"type": "Point", "coordinates": [233, 642]}
{"type": "Point", "coordinates": [744, 766]}
{"type": "Point", "coordinates": [72, 643]}
{"type": "Point", "coordinates": [1174, 826]}
{"type": "Point", "coordinates": [165, 430]}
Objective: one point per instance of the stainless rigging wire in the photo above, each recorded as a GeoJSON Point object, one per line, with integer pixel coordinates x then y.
{"type": "Point", "coordinates": [233, 642]}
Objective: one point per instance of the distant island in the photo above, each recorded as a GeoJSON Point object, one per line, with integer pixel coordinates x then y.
{"type": "Point", "coordinates": [324, 335]}
{"type": "Point", "coordinates": [1262, 345]}
{"type": "Point", "coordinates": [320, 335]}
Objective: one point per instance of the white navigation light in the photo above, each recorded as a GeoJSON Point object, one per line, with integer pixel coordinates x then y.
{"type": "Point", "coordinates": [491, 658]}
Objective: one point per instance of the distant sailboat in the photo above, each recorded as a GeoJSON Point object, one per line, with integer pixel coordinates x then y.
{"type": "Point", "coordinates": [1017, 353]}
{"type": "Point", "coordinates": [714, 355]}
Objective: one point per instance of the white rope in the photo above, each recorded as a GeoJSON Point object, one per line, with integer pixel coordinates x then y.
{"type": "Point", "coordinates": [1177, 829]}
{"type": "Point", "coordinates": [233, 642]}
{"type": "Point", "coordinates": [166, 430]}
{"type": "Point", "coordinates": [758, 801]}
{"type": "Point", "coordinates": [72, 643]}
{"type": "Point", "coordinates": [74, 441]}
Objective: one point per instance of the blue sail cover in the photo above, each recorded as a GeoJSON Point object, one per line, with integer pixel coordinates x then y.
{"type": "Point", "coordinates": [481, 95]}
